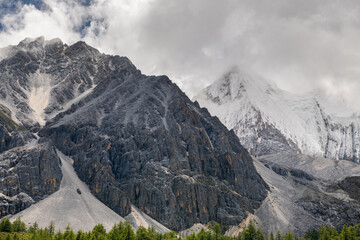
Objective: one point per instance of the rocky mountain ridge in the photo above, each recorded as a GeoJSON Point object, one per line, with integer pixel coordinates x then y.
{"type": "Point", "coordinates": [134, 139]}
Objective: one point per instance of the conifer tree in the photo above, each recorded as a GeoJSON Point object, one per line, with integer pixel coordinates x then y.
{"type": "Point", "coordinates": [99, 232]}
{"type": "Point", "coordinates": [142, 234]}
{"type": "Point", "coordinates": [34, 228]}
{"type": "Point", "coordinates": [217, 230]}
{"type": "Point", "coordinates": [6, 225]}
{"type": "Point", "coordinates": [249, 232]}
{"type": "Point", "coordinates": [128, 232]}
{"type": "Point", "coordinates": [278, 236]}
{"type": "Point", "coordinates": [271, 236]}
{"type": "Point", "coordinates": [18, 225]}
{"type": "Point", "coordinates": [80, 235]}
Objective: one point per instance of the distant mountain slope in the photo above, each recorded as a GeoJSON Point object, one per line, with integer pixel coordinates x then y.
{"type": "Point", "coordinates": [135, 140]}
{"type": "Point", "coordinates": [269, 120]}
{"type": "Point", "coordinates": [305, 195]}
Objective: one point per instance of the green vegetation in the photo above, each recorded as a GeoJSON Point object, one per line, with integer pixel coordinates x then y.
{"type": "Point", "coordinates": [123, 231]}
{"type": "Point", "coordinates": [13, 125]}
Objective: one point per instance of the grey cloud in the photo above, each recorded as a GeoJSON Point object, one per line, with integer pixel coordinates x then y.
{"type": "Point", "coordinates": [301, 45]}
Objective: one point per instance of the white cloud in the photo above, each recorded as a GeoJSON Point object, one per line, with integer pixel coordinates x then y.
{"type": "Point", "coordinates": [31, 22]}
{"type": "Point", "coordinates": [297, 44]}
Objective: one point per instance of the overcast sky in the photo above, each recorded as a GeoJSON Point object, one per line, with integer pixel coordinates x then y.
{"type": "Point", "coordinates": [300, 44]}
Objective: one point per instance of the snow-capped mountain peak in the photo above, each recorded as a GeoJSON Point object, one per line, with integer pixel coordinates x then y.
{"type": "Point", "coordinates": [268, 119]}
{"type": "Point", "coordinates": [237, 83]}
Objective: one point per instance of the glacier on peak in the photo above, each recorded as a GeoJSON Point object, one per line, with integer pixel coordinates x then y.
{"type": "Point", "coordinates": [269, 120]}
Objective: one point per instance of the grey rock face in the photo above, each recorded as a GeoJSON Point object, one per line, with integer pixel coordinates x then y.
{"type": "Point", "coordinates": [324, 188]}
{"type": "Point", "coordinates": [343, 140]}
{"type": "Point", "coordinates": [28, 171]}
{"type": "Point", "coordinates": [134, 139]}
{"type": "Point", "coordinates": [253, 128]}
{"type": "Point", "coordinates": [351, 185]}
{"type": "Point", "coordinates": [32, 171]}
{"type": "Point", "coordinates": [146, 143]}
{"type": "Point", "coordinates": [331, 210]}
{"type": "Point", "coordinates": [285, 171]}
{"type": "Point", "coordinates": [12, 205]}
{"type": "Point", "coordinates": [11, 134]}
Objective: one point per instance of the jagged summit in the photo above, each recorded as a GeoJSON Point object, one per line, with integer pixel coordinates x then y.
{"type": "Point", "coordinates": [43, 78]}
{"type": "Point", "coordinates": [236, 85]}
{"type": "Point", "coordinates": [270, 120]}
{"type": "Point", "coordinates": [81, 49]}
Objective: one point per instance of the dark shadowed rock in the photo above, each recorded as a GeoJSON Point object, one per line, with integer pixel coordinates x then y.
{"type": "Point", "coordinates": [351, 185]}
{"type": "Point", "coordinates": [331, 210]}
{"type": "Point", "coordinates": [14, 204]}
{"type": "Point", "coordinates": [33, 170]}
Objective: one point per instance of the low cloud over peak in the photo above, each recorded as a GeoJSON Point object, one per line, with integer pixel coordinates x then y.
{"type": "Point", "coordinates": [301, 45]}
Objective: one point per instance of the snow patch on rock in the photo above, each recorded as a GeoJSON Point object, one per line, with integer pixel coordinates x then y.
{"type": "Point", "coordinates": [39, 95]}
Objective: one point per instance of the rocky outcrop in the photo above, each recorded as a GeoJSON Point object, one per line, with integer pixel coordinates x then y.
{"type": "Point", "coordinates": [331, 210]}
{"type": "Point", "coordinates": [343, 140]}
{"type": "Point", "coordinates": [305, 193]}
{"type": "Point", "coordinates": [322, 199]}
{"type": "Point", "coordinates": [350, 185]}
{"type": "Point", "coordinates": [14, 204]}
{"type": "Point", "coordinates": [285, 171]}
{"type": "Point", "coordinates": [11, 134]}
{"type": "Point", "coordinates": [29, 171]}
{"type": "Point", "coordinates": [32, 171]}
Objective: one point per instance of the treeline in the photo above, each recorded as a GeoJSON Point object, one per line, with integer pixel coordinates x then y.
{"type": "Point", "coordinates": [124, 231]}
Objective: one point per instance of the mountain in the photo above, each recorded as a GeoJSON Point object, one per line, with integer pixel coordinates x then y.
{"type": "Point", "coordinates": [142, 147]}
{"type": "Point", "coordinates": [269, 120]}
{"type": "Point", "coordinates": [297, 142]}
